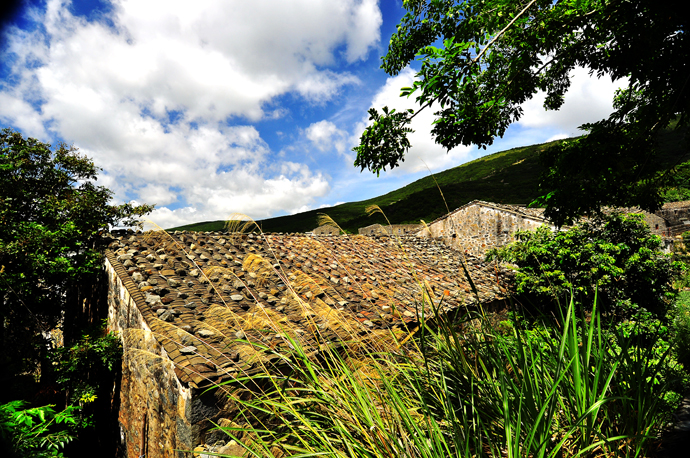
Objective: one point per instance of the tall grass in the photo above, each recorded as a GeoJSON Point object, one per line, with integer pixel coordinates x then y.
{"type": "Point", "coordinates": [463, 389]}
{"type": "Point", "coordinates": [681, 321]}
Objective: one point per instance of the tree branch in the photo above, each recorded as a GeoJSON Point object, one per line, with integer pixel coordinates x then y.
{"type": "Point", "coordinates": [493, 40]}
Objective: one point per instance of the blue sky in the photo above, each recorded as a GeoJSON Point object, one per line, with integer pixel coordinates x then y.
{"type": "Point", "coordinates": [215, 107]}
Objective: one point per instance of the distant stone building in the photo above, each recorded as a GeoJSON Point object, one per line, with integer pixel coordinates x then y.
{"type": "Point", "coordinates": [675, 219]}
{"type": "Point", "coordinates": [479, 226]}
{"type": "Point", "coordinates": [326, 230]}
{"type": "Point", "coordinates": [393, 229]}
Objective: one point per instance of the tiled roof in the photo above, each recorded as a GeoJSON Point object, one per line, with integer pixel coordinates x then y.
{"type": "Point", "coordinates": [209, 296]}
{"type": "Point", "coordinates": [537, 213]}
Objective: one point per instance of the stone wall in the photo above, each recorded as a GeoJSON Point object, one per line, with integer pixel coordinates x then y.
{"type": "Point", "coordinates": [154, 407]}
{"type": "Point", "coordinates": [479, 226]}
{"type": "Point", "coordinates": [326, 230]}
{"type": "Point", "coordinates": [393, 229]}
{"type": "Point", "coordinates": [656, 224]}
{"type": "Point", "coordinates": [675, 212]}
{"type": "Point", "coordinates": [669, 221]}
{"type": "Point", "coordinates": [676, 216]}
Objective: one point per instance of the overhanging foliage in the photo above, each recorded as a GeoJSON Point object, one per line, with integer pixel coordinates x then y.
{"type": "Point", "coordinates": [481, 59]}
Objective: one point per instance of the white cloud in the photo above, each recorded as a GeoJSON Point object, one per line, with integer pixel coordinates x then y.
{"type": "Point", "coordinates": [321, 87]}
{"type": "Point", "coordinates": [366, 17]}
{"type": "Point", "coordinates": [556, 137]}
{"type": "Point", "coordinates": [214, 59]}
{"type": "Point", "coordinates": [22, 115]}
{"type": "Point", "coordinates": [424, 152]}
{"type": "Point", "coordinates": [325, 135]}
{"type": "Point", "coordinates": [588, 99]}
{"type": "Point", "coordinates": [162, 195]}
{"type": "Point", "coordinates": [331, 205]}
{"type": "Point", "coordinates": [111, 92]}
{"type": "Point", "coordinates": [217, 196]}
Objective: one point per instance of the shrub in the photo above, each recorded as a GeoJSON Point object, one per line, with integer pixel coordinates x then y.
{"type": "Point", "coordinates": [34, 432]}
{"type": "Point", "coordinates": [616, 255]}
{"type": "Point", "coordinates": [86, 372]}
{"type": "Point", "coordinates": [681, 327]}
{"type": "Point", "coordinates": [93, 361]}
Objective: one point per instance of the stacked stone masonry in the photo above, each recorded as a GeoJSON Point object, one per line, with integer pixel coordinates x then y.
{"type": "Point", "coordinates": [392, 229]}
{"type": "Point", "coordinates": [326, 230]}
{"type": "Point", "coordinates": [154, 404]}
{"type": "Point", "coordinates": [479, 226]}
{"type": "Point", "coordinates": [675, 219]}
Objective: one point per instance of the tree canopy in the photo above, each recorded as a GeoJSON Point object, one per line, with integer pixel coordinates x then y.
{"type": "Point", "coordinates": [481, 59]}
{"type": "Point", "coordinates": [52, 218]}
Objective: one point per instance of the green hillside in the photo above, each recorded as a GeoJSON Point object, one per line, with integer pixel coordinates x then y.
{"type": "Point", "coordinates": [509, 177]}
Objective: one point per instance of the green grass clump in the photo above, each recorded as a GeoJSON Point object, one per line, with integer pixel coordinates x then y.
{"type": "Point", "coordinates": [681, 326]}
{"type": "Point", "coordinates": [466, 389]}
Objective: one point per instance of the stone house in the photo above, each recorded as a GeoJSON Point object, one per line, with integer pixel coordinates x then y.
{"type": "Point", "coordinates": [479, 226]}
{"type": "Point", "coordinates": [326, 229]}
{"type": "Point", "coordinates": [198, 309]}
{"type": "Point", "coordinates": [672, 219]}
{"type": "Point", "coordinates": [392, 229]}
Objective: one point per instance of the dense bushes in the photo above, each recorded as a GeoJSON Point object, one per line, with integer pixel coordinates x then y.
{"type": "Point", "coordinates": [615, 256]}
{"type": "Point", "coordinates": [88, 367]}
{"type": "Point", "coordinates": [34, 432]}
{"type": "Point", "coordinates": [681, 327]}
{"type": "Point", "coordinates": [86, 372]}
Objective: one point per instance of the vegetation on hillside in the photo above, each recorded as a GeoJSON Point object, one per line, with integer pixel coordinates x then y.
{"type": "Point", "coordinates": [510, 177]}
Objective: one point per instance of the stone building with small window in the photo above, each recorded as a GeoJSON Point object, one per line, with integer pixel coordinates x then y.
{"type": "Point", "coordinates": [673, 219]}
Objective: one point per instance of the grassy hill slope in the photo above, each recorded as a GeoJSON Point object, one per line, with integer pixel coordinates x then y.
{"type": "Point", "coordinates": [509, 177]}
